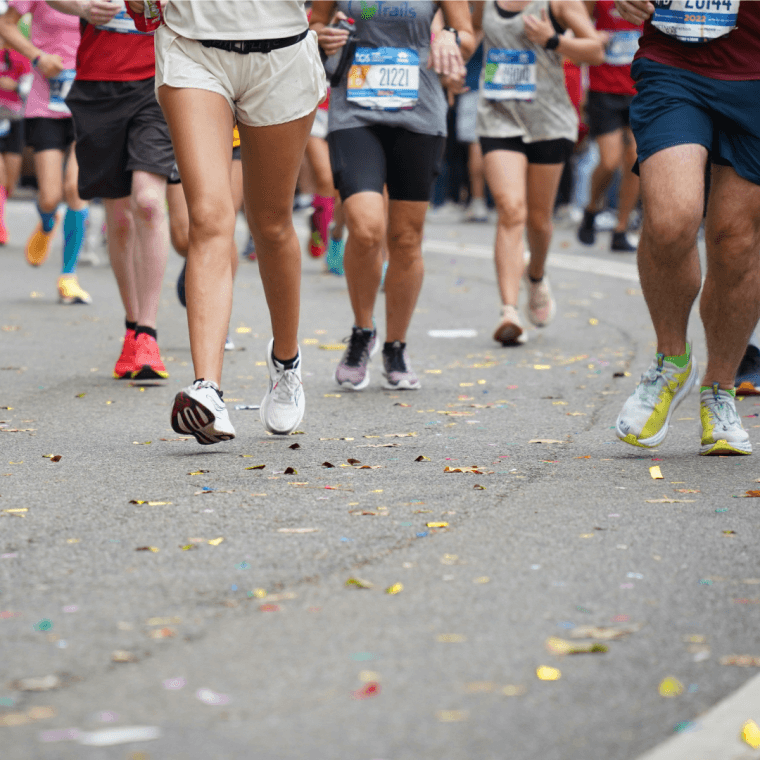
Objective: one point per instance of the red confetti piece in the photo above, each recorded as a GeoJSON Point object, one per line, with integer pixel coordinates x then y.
{"type": "Point", "coordinates": [370, 689]}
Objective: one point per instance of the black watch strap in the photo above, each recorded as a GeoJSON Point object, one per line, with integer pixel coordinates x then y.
{"type": "Point", "coordinates": [552, 42]}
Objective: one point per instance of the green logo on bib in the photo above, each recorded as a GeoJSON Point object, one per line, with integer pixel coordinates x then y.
{"type": "Point", "coordinates": [368, 11]}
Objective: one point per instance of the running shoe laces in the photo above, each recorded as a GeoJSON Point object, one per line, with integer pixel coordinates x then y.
{"type": "Point", "coordinates": [395, 361]}
{"type": "Point", "coordinates": [288, 384]}
{"type": "Point", "coordinates": [722, 410]}
{"type": "Point", "coordinates": [358, 342]}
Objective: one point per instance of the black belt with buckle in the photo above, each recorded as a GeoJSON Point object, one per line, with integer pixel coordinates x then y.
{"type": "Point", "coordinates": [254, 46]}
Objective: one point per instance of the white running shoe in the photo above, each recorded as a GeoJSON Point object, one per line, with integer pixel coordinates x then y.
{"type": "Point", "coordinates": [229, 344]}
{"type": "Point", "coordinates": [200, 411]}
{"type": "Point", "coordinates": [541, 304]}
{"type": "Point", "coordinates": [283, 406]}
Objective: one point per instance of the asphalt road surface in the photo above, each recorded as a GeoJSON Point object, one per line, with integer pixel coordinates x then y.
{"type": "Point", "coordinates": [223, 589]}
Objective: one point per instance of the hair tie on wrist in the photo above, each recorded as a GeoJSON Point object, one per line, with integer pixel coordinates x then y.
{"type": "Point", "coordinates": [36, 61]}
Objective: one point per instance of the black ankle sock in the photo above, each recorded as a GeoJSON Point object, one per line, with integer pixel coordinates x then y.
{"type": "Point", "coordinates": [147, 330]}
{"type": "Point", "coordinates": [201, 380]}
{"type": "Point", "coordinates": [387, 347]}
{"type": "Point", "coordinates": [130, 325]}
{"type": "Point", "coordinates": [534, 280]}
{"type": "Point", "coordinates": [289, 364]}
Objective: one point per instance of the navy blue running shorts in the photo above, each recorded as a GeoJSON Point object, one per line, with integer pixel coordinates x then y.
{"type": "Point", "coordinates": [678, 107]}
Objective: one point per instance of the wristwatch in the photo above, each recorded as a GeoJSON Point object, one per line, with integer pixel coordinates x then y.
{"type": "Point", "coordinates": [552, 42]}
{"type": "Point", "coordinates": [453, 31]}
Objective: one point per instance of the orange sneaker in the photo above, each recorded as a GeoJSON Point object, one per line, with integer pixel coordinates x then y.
{"type": "Point", "coordinates": [147, 361]}
{"type": "Point", "coordinates": [38, 245]}
{"type": "Point", "coordinates": [125, 365]}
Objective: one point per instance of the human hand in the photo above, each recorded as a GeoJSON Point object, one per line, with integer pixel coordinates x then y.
{"type": "Point", "coordinates": [7, 84]}
{"type": "Point", "coordinates": [50, 66]}
{"type": "Point", "coordinates": [446, 58]}
{"type": "Point", "coordinates": [538, 31]}
{"type": "Point", "coordinates": [99, 12]}
{"type": "Point", "coordinates": [138, 6]}
{"type": "Point", "coordinates": [635, 11]}
{"type": "Point", "coordinates": [330, 38]}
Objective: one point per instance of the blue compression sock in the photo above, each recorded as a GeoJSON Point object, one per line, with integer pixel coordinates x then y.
{"type": "Point", "coordinates": [48, 220]}
{"type": "Point", "coordinates": [73, 236]}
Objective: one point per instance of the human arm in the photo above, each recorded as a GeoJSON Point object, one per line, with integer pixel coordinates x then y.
{"type": "Point", "coordinates": [446, 57]}
{"type": "Point", "coordinates": [49, 65]}
{"type": "Point", "coordinates": [95, 12]}
{"type": "Point", "coordinates": [635, 11]}
{"type": "Point", "coordinates": [329, 38]}
{"type": "Point", "coordinates": [586, 46]}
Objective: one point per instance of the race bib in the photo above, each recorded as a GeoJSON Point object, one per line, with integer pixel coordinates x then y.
{"type": "Point", "coordinates": [622, 47]}
{"type": "Point", "coordinates": [122, 23]}
{"type": "Point", "coordinates": [59, 89]}
{"type": "Point", "coordinates": [695, 20]}
{"type": "Point", "coordinates": [510, 75]}
{"type": "Point", "coordinates": [384, 79]}
{"type": "Point", "coordinates": [5, 127]}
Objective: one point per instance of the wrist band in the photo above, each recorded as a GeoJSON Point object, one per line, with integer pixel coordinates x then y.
{"type": "Point", "coordinates": [36, 61]}
{"type": "Point", "coordinates": [553, 42]}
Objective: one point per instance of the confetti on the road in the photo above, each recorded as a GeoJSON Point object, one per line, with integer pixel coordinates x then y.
{"type": "Point", "coordinates": [107, 737]}
{"type": "Point", "coordinates": [457, 333]}
{"type": "Point", "coordinates": [174, 684]}
{"type": "Point", "coordinates": [670, 687]}
{"type": "Point", "coordinates": [452, 716]}
{"type": "Point", "coordinates": [358, 583]}
{"type": "Point", "coordinates": [546, 673]}
{"type": "Point", "coordinates": [209, 697]}
{"type": "Point", "coordinates": [751, 734]}
{"type": "Point", "coordinates": [437, 525]}
{"type": "Point", "coordinates": [52, 457]}
{"type": "Point", "coordinates": [297, 530]}
{"type": "Point", "coordinates": [559, 646]}
{"type": "Point", "coordinates": [153, 549]}
{"type": "Point", "coordinates": [655, 472]}
{"type": "Point", "coordinates": [603, 633]}
{"type": "Point", "coordinates": [396, 588]}
{"type": "Point", "coordinates": [215, 541]}
{"type": "Point", "coordinates": [545, 440]}
{"type": "Point", "coordinates": [370, 689]}
{"type": "Point", "coordinates": [122, 655]}
{"type": "Point", "coordinates": [256, 467]}
{"type": "Point", "coordinates": [45, 683]}
{"type": "Point", "coordinates": [741, 660]}
{"type": "Point", "coordinates": [451, 638]}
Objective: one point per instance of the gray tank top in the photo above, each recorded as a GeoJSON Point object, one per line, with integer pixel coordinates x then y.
{"type": "Point", "coordinates": [389, 82]}
{"type": "Point", "coordinates": [522, 85]}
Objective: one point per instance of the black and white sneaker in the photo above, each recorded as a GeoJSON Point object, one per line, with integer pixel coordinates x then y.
{"type": "Point", "coordinates": [200, 411]}
{"type": "Point", "coordinates": [397, 370]}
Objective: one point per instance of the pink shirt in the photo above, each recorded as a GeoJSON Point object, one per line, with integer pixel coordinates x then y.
{"type": "Point", "coordinates": [54, 33]}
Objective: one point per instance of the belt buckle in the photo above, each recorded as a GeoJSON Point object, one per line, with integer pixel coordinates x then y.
{"type": "Point", "coordinates": [238, 46]}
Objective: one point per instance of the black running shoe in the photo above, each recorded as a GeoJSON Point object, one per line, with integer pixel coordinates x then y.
{"type": "Point", "coordinates": [586, 232]}
{"type": "Point", "coordinates": [621, 243]}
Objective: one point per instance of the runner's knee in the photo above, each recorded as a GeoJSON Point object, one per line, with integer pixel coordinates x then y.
{"type": "Point", "coordinates": [512, 212]}
{"type": "Point", "coordinates": [367, 233]}
{"type": "Point", "coordinates": [147, 205]}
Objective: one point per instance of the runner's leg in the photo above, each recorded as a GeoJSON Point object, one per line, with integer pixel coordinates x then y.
{"type": "Point", "coordinates": [271, 160]}
{"type": "Point", "coordinates": [406, 269]}
{"type": "Point", "coordinates": [610, 157]}
{"type": "Point", "coordinates": [201, 124]}
{"type": "Point", "coordinates": [672, 191]}
{"type": "Point", "coordinates": [542, 183]}
{"type": "Point", "coordinates": [730, 303]}
{"type": "Point", "coordinates": [12, 172]}
{"type": "Point", "coordinates": [629, 183]}
{"type": "Point", "coordinates": [75, 220]}
{"type": "Point", "coordinates": [121, 241]}
{"type": "Point", "coordinates": [179, 222]}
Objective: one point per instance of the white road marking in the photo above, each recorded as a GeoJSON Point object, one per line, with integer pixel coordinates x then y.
{"type": "Point", "coordinates": [585, 264]}
{"type": "Point", "coordinates": [717, 733]}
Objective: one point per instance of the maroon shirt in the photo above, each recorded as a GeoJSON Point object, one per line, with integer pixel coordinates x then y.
{"type": "Point", "coordinates": [735, 56]}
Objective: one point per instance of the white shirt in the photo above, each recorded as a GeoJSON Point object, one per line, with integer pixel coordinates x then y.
{"type": "Point", "coordinates": [235, 19]}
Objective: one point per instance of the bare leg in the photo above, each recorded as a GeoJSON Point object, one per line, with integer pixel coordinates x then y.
{"type": "Point", "coordinates": [12, 172]}
{"type": "Point", "coordinates": [48, 165]}
{"type": "Point", "coordinates": [121, 241]}
{"type": "Point", "coordinates": [200, 123]}
{"type": "Point", "coordinates": [179, 221]}
{"type": "Point", "coordinates": [730, 303]}
{"type": "Point", "coordinates": [629, 184]}
{"type": "Point", "coordinates": [406, 270]}
{"type": "Point", "coordinates": [543, 181]}
{"type": "Point", "coordinates": [610, 156]}
{"type": "Point", "coordinates": [506, 173]}
{"type": "Point", "coordinates": [271, 158]}
{"type": "Point", "coordinates": [475, 169]}
{"type": "Point", "coordinates": [151, 242]}
{"type": "Point", "coordinates": [365, 219]}
{"type": "Point", "coordinates": [672, 191]}
{"type": "Point", "coordinates": [319, 158]}
{"type": "Point", "coordinates": [236, 185]}
{"type": "Point", "coordinates": [71, 183]}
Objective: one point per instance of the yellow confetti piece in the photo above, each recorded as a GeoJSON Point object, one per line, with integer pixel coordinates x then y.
{"type": "Point", "coordinates": [359, 583]}
{"type": "Point", "coordinates": [297, 530]}
{"type": "Point", "coordinates": [593, 321]}
{"type": "Point", "coordinates": [433, 371]}
{"type": "Point", "coordinates": [451, 638]}
{"type": "Point", "coordinates": [369, 676]}
{"type": "Point", "coordinates": [216, 541]}
{"type": "Point", "coordinates": [452, 716]}
{"type": "Point", "coordinates": [751, 734]}
{"type": "Point", "coordinates": [142, 443]}
{"type": "Point", "coordinates": [17, 510]}
{"type": "Point", "coordinates": [545, 673]}
{"type": "Point", "coordinates": [655, 472]}
{"type": "Point", "coordinates": [310, 341]}
{"type": "Point", "coordinates": [242, 330]}
{"type": "Point", "coordinates": [259, 593]}
{"type": "Point", "coordinates": [542, 366]}
{"type": "Point", "coordinates": [73, 540]}
{"type": "Point", "coordinates": [466, 385]}
{"type": "Point", "coordinates": [482, 382]}
{"type": "Point", "coordinates": [158, 503]}
{"type": "Point", "coordinates": [153, 549]}
{"type": "Point", "coordinates": [396, 588]}
{"type": "Point", "coordinates": [332, 346]}
{"type": "Point", "coordinates": [332, 395]}
{"type": "Point", "coordinates": [513, 690]}
{"type": "Point", "coordinates": [481, 579]}
{"type": "Point", "coordinates": [188, 547]}
{"type": "Point", "coordinates": [437, 525]}
{"type": "Point", "coordinates": [670, 687]}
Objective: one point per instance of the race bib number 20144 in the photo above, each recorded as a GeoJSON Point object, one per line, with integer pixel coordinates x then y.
{"type": "Point", "coordinates": [695, 20]}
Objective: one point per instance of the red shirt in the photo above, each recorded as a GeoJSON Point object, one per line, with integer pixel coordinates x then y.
{"type": "Point", "coordinates": [106, 56]}
{"type": "Point", "coordinates": [614, 75]}
{"type": "Point", "coordinates": [735, 56]}
{"type": "Point", "coordinates": [13, 65]}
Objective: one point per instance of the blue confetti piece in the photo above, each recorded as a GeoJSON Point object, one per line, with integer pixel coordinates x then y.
{"type": "Point", "coordinates": [566, 624]}
{"type": "Point", "coordinates": [233, 587]}
{"type": "Point", "coordinates": [422, 535]}
{"type": "Point", "coordinates": [365, 656]}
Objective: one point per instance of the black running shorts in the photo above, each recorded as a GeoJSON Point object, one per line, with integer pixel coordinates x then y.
{"type": "Point", "coordinates": [43, 133]}
{"type": "Point", "coordinates": [607, 112]}
{"type": "Point", "coordinates": [540, 152]}
{"type": "Point", "coordinates": [120, 128]}
{"type": "Point", "coordinates": [367, 158]}
{"type": "Point", "coordinates": [13, 142]}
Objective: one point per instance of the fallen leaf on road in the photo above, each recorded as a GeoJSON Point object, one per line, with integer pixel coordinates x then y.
{"type": "Point", "coordinates": [359, 583]}
{"type": "Point", "coordinates": [752, 494]}
{"type": "Point", "coordinates": [52, 457]}
{"type": "Point", "coordinates": [473, 470]}
{"type": "Point", "coordinates": [290, 471]}
{"type": "Point", "coordinates": [256, 467]}
{"type": "Point", "coordinates": [147, 549]}
{"type": "Point", "coordinates": [422, 458]}
{"type": "Point", "coordinates": [295, 446]}
{"type": "Point", "coordinates": [603, 633]}
{"type": "Point", "coordinates": [559, 646]}
{"type": "Point", "coordinates": [198, 472]}
{"type": "Point", "coordinates": [328, 464]}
